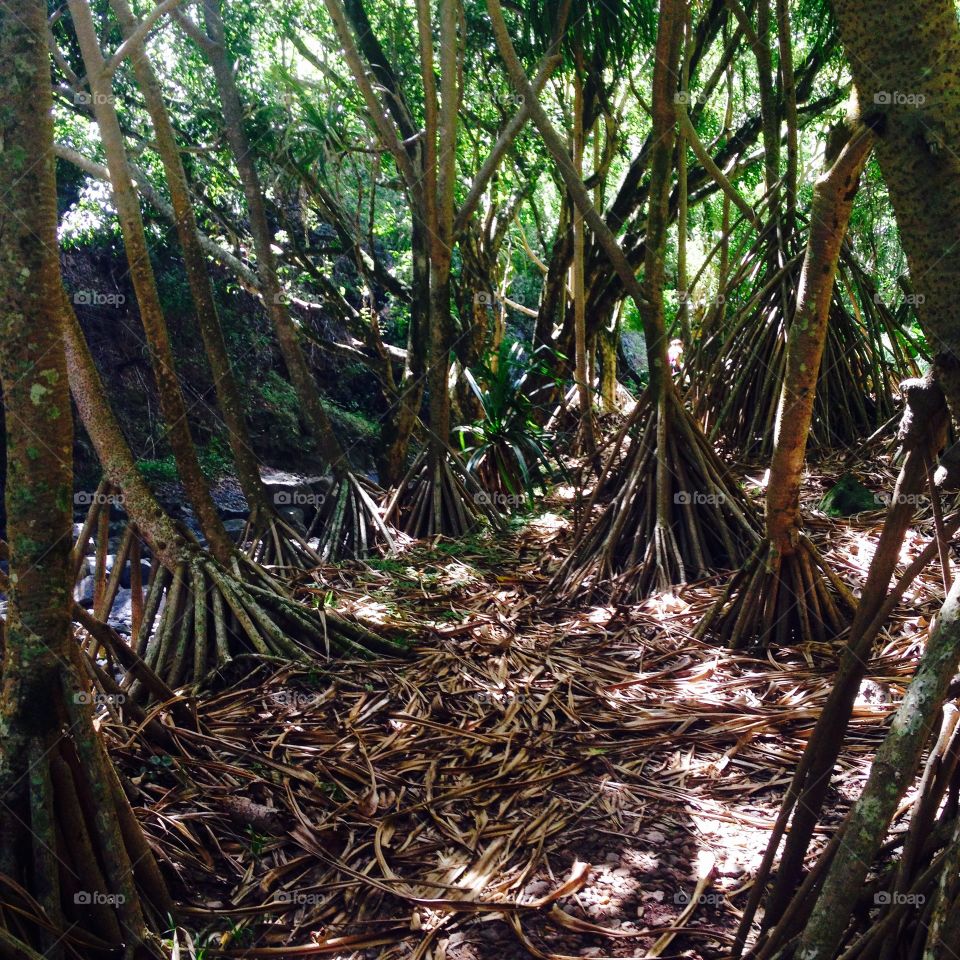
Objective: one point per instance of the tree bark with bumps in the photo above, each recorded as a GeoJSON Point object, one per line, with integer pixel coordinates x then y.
{"type": "Point", "coordinates": [905, 60]}
{"type": "Point", "coordinates": [76, 863]}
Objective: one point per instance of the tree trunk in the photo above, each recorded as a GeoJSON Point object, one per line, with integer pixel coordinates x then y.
{"type": "Point", "coordinates": [833, 196]}
{"type": "Point", "coordinates": [172, 404]}
{"type": "Point", "coordinates": [581, 366]}
{"type": "Point", "coordinates": [225, 384]}
{"type": "Point", "coordinates": [68, 840]}
{"type": "Point", "coordinates": [274, 298]}
{"type": "Point", "coordinates": [904, 56]}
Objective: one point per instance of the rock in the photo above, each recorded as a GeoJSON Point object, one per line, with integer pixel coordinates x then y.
{"type": "Point", "coordinates": [121, 616]}
{"type": "Point", "coordinates": [235, 528]}
{"type": "Point", "coordinates": [83, 593]}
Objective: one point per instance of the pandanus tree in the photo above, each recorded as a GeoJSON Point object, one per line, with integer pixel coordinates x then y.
{"type": "Point", "coordinates": [785, 592]}
{"type": "Point", "coordinates": [270, 539]}
{"type": "Point", "coordinates": [349, 521]}
{"type": "Point", "coordinates": [435, 495]}
{"type": "Point", "coordinates": [902, 61]}
{"type": "Point", "coordinates": [77, 875]}
{"type": "Point", "coordinates": [173, 406]}
{"type": "Point", "coordinates": [738, 366]}
{"type": "Point", "coordinates": [678, 512]}
{"type": "Point", "coordinates": [199, 613]}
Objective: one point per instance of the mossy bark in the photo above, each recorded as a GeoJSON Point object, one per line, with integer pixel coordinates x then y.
{"type": "Point", "coordinates": [68, 839]}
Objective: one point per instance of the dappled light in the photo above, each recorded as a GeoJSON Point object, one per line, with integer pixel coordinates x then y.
{"type": "Point", "coordinates": [479, 480]}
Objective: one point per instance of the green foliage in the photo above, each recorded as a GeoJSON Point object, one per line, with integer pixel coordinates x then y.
{"type": "Point", "coordinates": [215, 462]}
{"type": "Point", "coordinates": [847, 497]}
{"type": "Point", "coordinates": [508, 451]}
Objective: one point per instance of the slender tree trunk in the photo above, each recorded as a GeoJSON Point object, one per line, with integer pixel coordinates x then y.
{"type": "Point", "coordinates": [172, 404]}
{"type": "Point", "coordinates": [833, 197]}
{"type": "Point", "coordinates": [788, 88]}
{"type": "Point", "coordinates": [225, 384]}
{"type": "Point", "coordinates": [274, 297]}
{"type": "Point", "coordinates": [581, 367]}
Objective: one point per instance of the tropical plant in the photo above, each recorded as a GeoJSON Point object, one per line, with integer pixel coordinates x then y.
{"type": "Point", "coordinates": [508, 451]}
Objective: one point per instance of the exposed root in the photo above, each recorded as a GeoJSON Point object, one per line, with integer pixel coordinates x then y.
{"type": "Point", "coordinates": [438, 497]}
{"type": "Point", "coordinates": [268, 540]}
{"type": "Point", "coordinates": [70, 836]}
{"type": "Point", "coordinates": [200, 616]}
{"type": "Point", "coordinates": [677, 515]}
{"type": "Point", "coordinates": [736, 371]}
{"type": "Point", "coordinates": [346, 524]}
{"type": "Point", "coordinates": [780, 598]}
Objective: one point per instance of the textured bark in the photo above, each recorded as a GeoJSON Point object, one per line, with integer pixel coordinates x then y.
{"type": "Point", "coordinates": [905, 60]}
{"type": "Point", "coordinates": [172, 404]}
{"type": "Point", "coordinates": [833, 196]}
{"type": "Point", "coordinates": [39, 430]}
{"type": "Point", "coordinates": [65, 826]}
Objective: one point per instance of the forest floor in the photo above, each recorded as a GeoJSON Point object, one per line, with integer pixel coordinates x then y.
{"type": "Point", "coordinates": [535, 780]}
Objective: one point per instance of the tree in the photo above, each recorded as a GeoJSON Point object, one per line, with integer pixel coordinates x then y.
{"type": "Point", "coordinates": [902, 58]}
{"type": "Point", "coordinates": [172, 403]}
{"type": "Point", "coordinates": [199, 614]}
{"type": "Point", "coordinates": [76, 863]}
{"type": "Point", "coordinates": [652, 535]}
{"type": "Point", "coordinates": [274, 541]}
{"type": "Point", "coordinates": [782, 593]}
{"type": "Point", "coordinates": [349, 520]}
